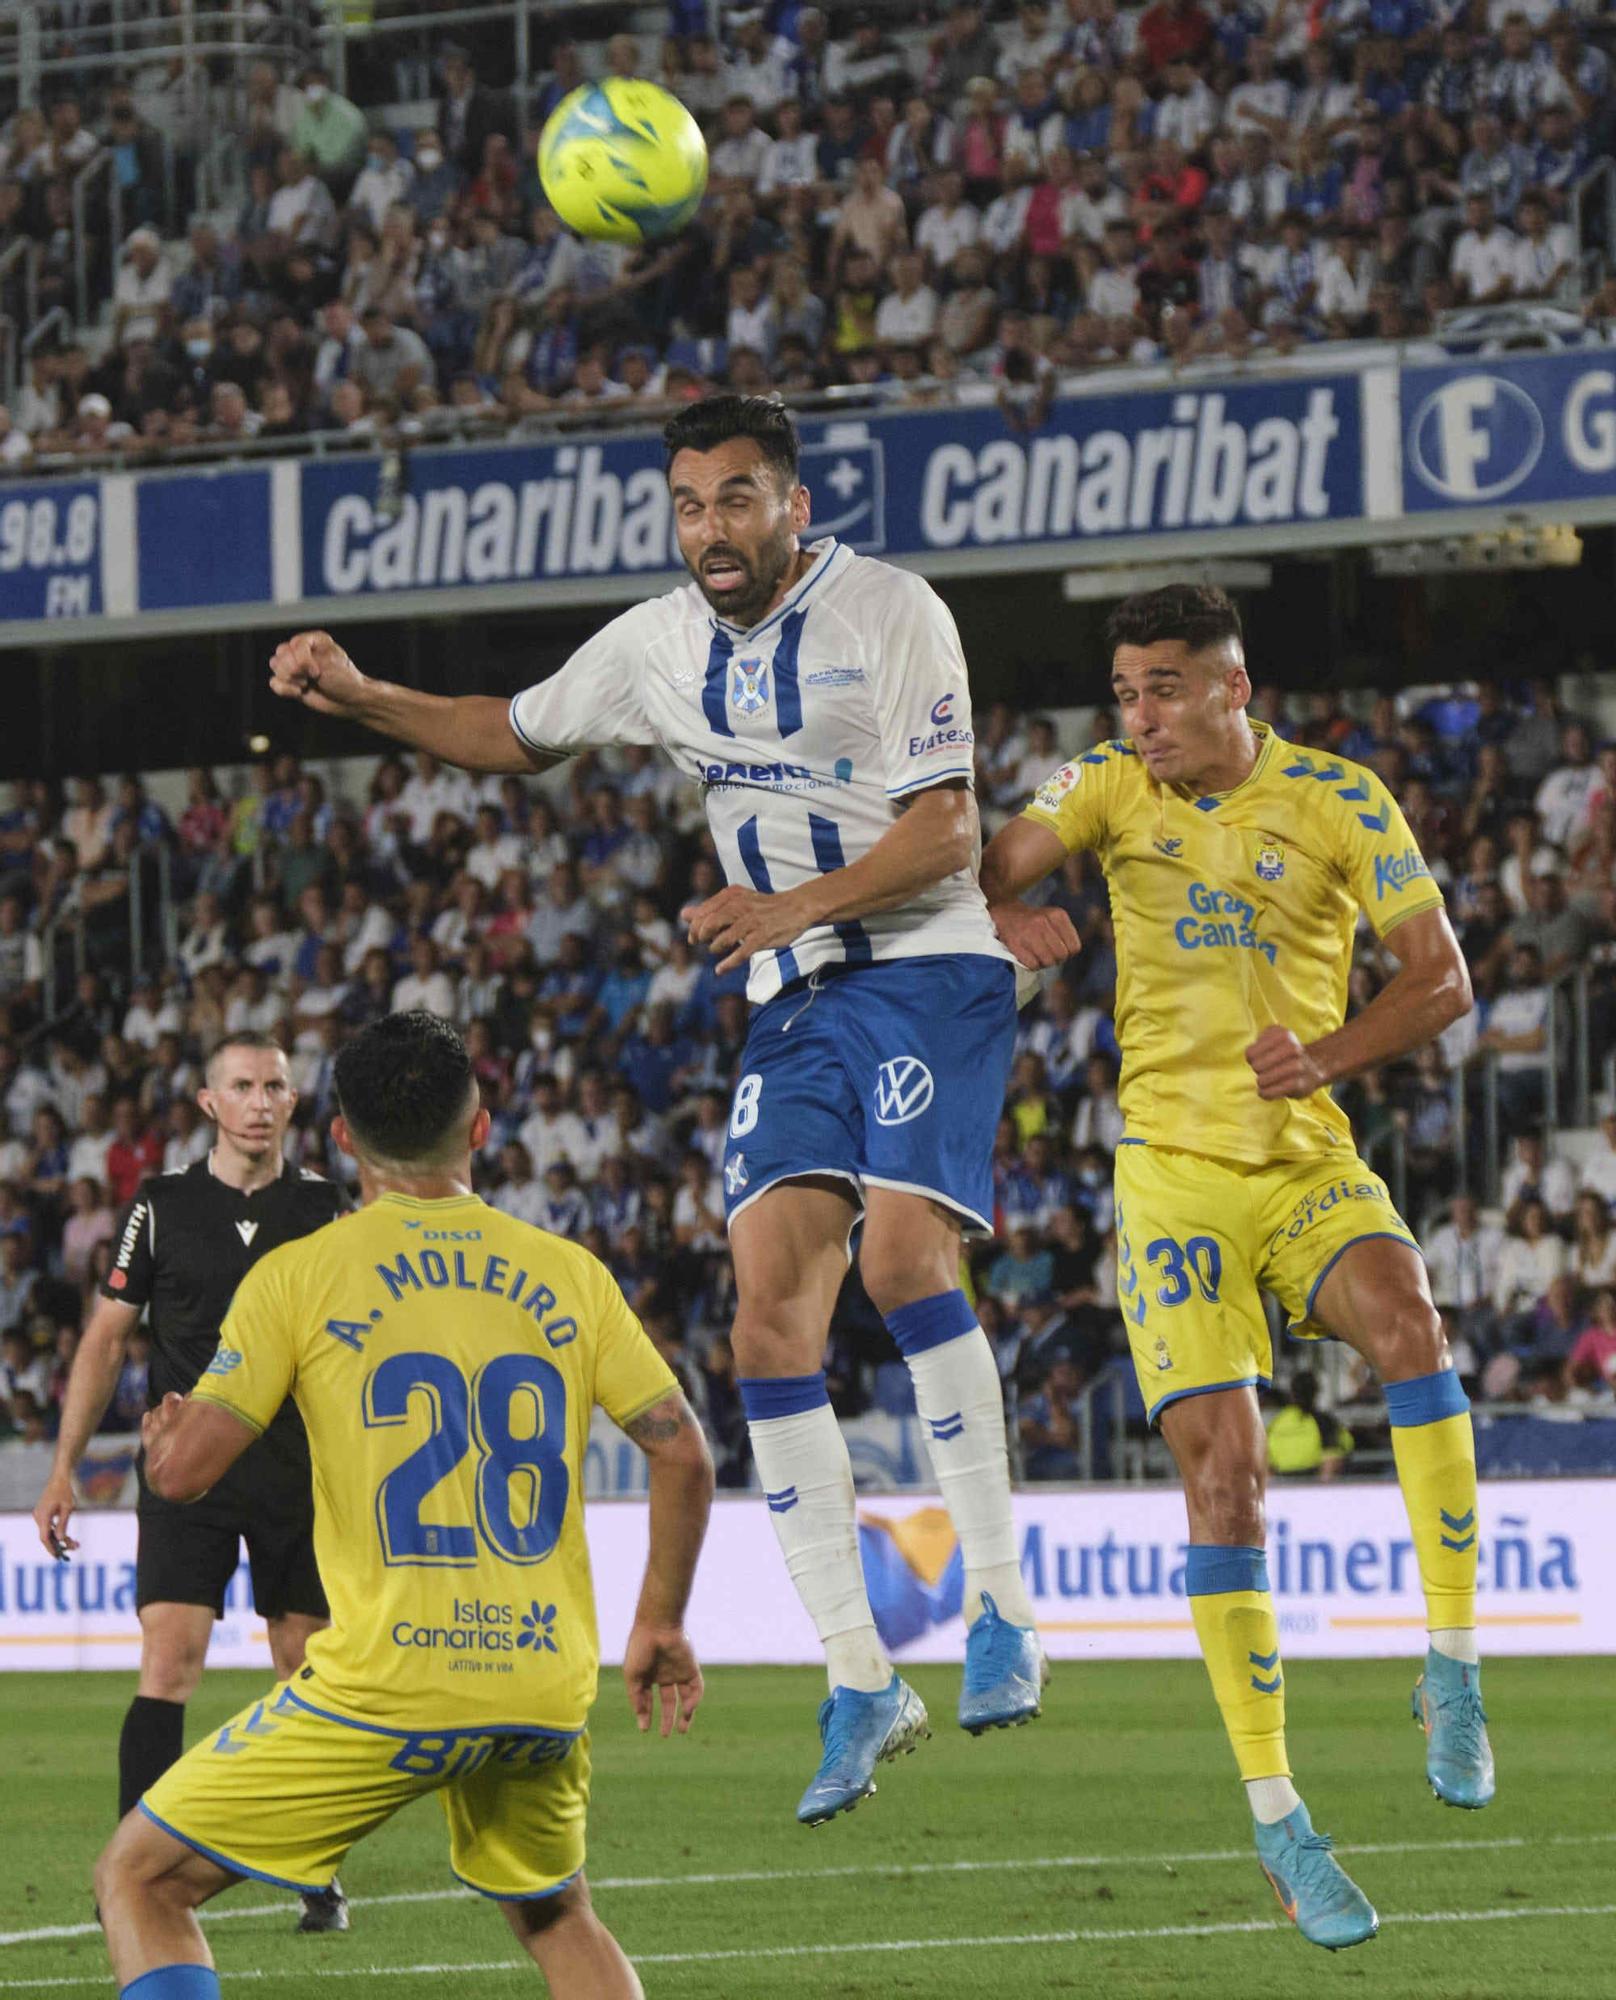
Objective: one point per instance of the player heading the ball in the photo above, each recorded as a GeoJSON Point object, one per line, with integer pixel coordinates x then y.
{"type": "Point", "coordinates": [820, 701]}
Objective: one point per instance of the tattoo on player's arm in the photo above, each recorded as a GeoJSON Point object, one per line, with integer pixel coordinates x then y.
{"type": "Point", "coordinates": [662, 1423]}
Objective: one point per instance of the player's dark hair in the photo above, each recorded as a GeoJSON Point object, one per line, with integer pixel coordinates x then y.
{"type": "Point", "coordinates": [1199, 614]}
{"type": "Point", "coordinates": [704, 426]}
{"type": "Point", "coordinates": [243, 1038]}
{"type": "Point", "coordinates": [402, 1084]}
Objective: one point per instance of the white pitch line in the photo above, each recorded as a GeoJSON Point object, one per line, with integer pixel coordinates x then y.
{"type": "Point", "coordinates": [893, 1869]}
{"type": "Point", "coordinates": [1099, 1935]}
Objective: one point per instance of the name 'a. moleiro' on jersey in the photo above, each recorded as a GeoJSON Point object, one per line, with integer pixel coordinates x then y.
{"type": "Point", "coordinates": [806, 734]}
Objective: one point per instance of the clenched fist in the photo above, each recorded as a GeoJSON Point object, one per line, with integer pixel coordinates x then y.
{"type": "Point", "coordinates": [1285, 1066]}
{"type": "Point", "coordinates": [312, 668]}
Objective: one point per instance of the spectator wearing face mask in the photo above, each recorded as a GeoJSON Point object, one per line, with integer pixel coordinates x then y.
{"type": "Point", "coordinates": [331, 130]}
{"type": "Point", "coordinates": [383, 180]}
{"type": "Point", "coordinates": [436, 182]}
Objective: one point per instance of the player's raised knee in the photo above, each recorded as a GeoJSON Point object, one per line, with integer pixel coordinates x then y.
{"type": "Point", "coordinates": [1410, 1341]}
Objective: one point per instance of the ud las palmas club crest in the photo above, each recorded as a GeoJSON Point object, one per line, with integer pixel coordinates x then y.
{"type": "Point", "coordinates": [749, 686]}
{"type": "Point", "coordinates": [1270, 860]}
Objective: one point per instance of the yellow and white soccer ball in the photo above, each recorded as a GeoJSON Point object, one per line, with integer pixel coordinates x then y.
{"type": "Point", "coordinates": [624, 160]}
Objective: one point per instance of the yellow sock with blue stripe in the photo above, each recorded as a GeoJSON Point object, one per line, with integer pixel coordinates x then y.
{"type": "Point", "coordinates": [1239, 1634]}
{"type": "Point", "coordinates": [1434, 1445]}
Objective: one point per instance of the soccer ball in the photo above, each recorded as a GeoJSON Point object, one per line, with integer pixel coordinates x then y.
{"type": "Point", "coordinates": [623, 159]}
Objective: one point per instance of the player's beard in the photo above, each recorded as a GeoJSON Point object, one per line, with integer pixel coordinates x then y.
{"type": "Point", "coordinates": [765, 572]}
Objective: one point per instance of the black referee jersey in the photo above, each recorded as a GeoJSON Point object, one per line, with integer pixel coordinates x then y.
{"type": "Point", "coordinates": [184, 1244]}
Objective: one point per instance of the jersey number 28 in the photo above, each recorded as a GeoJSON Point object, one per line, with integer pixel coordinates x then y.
{"type": "Point", "coordinates": [477, 1413]}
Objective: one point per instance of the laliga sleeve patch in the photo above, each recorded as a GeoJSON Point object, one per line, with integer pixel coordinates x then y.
{"type": "Point", "coordinates": [1055, 787]}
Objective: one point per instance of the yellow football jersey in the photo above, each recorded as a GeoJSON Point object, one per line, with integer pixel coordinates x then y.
{"type": "Point", "coordinates": [445, 1358]}
{"type": "Point", "coordinates": [1232, 913]}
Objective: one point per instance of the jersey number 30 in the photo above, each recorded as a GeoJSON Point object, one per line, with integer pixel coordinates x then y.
{"type": "Point", "coordinates": [522, 1482]}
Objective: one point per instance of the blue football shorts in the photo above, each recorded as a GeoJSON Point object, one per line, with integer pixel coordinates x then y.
{"type": "Point", "coordinates": [885, 1075]}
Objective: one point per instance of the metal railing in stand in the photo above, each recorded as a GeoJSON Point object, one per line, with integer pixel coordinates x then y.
{"type": "Point", "coordinates": [71, 919]}
{"type": "Point", "coordinates": [102, 164]}
{"type": "Point", "coordinates": [1482, 1063]}
{"type": "Point", "coordinates": [1556, 1110]}
{"type": "Point", "coordinates": [1594, 195]}
{"type": "Point", "coordinates": [1392, 1145]}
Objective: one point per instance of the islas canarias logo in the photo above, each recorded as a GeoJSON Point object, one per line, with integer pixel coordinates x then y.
{"type": "Point", "coordinates": [914, 1571]}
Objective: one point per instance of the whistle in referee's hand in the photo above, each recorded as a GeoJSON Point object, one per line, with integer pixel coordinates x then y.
{"type": "Point", "coordinates": [58, 1547]}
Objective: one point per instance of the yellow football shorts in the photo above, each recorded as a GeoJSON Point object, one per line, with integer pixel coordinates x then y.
{"type": "Point", "coordinates": [1199, 1240]}
{"type": "Point", "coordinates": [284, 1789]}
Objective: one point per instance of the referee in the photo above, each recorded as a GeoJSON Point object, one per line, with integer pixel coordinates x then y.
{"type": "Point", "coordinates": [184, 1244]}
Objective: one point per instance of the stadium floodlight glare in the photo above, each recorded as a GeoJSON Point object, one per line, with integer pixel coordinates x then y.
{"type": "Point", "coordinates": [1553, 545]}
{"type": "Point", "coordinates": [1091, 586]}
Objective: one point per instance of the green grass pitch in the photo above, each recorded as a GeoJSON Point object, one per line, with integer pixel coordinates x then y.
{"type": "Point", "coordinates": [1104, 1851]}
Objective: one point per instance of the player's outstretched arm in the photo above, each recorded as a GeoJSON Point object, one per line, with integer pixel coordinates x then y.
{"type": "Point", "coordinates": [190, 1445]}
{"type": "Point", "coordinates": [472, 731]}
{"type": "Point", "coordinates": [1430, 989]}
{"type": "Point", "coordinates": [658, 1654]}
{"type": "Point", "coordinates": [1019, 855]}
{"type": "Point", "coordinates": [90, 1387]}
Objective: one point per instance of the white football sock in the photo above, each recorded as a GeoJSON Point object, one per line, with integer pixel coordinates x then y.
{"type": "Point", "coordinates": [961, 1404]}
{"type": "Point", "coordinates": [1271, 1799]}
{"type": "Point", "coordinates": [803, 1464]}
{"type": "Point", "coordinates": [1456, 1642]}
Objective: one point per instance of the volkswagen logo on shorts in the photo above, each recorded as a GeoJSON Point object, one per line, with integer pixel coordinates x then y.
{"type": "Point", "coordinates": [903, 1089]}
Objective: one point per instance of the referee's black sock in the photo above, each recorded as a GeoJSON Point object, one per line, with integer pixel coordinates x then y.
{"type": "Point", "coordinates": [152, 1739]}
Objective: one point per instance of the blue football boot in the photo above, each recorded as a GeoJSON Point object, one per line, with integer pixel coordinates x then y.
{"type": "Point", "coordinates": [859, 1731]}
{"type": "Point", "coordinates": [1314, 1890]}
{"type": "Point", "coordinates": [1458, 1757]}
{"type": "Point", "coordinates": [1005, 1673]}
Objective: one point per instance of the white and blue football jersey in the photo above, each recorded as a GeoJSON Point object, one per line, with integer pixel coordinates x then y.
{"type": "Point", "coordinates": [805, 733]}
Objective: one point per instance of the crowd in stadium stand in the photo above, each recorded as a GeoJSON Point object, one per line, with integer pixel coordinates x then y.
{"type": "Point", "coordinates": [967, 208]}
{"type": "Point", "coordinates": [543, 920]}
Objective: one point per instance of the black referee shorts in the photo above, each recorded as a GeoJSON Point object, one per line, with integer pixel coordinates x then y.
{"type": "Point", "coordinates": [188, 1554]}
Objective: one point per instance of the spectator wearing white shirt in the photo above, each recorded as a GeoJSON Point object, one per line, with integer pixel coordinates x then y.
{"type": "Point", "coordinates": [425, 985]}
{"type": "Point", "coordinates": [301, 209]}
{"type": "Point", "coordinates": [549, 1132]}
{"type": "Point", "coordinates": [254, 1003]}
{"type": "Point", "coordinates": [383, 180]}
{"type": "Point", "coordinates": [520, 1193]}
{"type": "Point", "coordinates": [1598, 1170]}
{"type": "Point", "coordinates": [751, 321]}
{"type": "Point", "coordinates": [1113, 291]}
{"type": "Point", "coordinates": [949, 226]}
{"type": "Point", "coordinates": [1516, 1034]}
{"type": "Point", "coordinates": [760, 68]}
{"type": "Point", "coordinates": [793, 156]}
{"type": "Point", "coordinates": [1325, 103]}
{"type": "Point", "coordinates": [1563, 796]}
{"type": "Point", "coordinates": [1462, 1257]}
{"type": "Point", "coordinates": [1033, 42]}
{"type": "Point", "coordinates": [87, 1157]}
{"type": "Point", "coordinates": [434, 789]}
{"type": "Point", "coordinates": [144, 288]}
{"type": "Point", "coordinates": [1533, 1174]}
{"type": "Point", "coordinates": [1188, 111]}
{"type": "Point", "coordinates": [907, 316]}
{"type": "Point", "coordinates": [1483, 260]}
{"type": "Point", "coordinates": [1262, 101]}
{"type": "Point", "coordinates": [1532, 1258]}
{"type": "Point", "coordinates": [1545, 252]}
{"type": "Point", "coordinates": [742, 153]}
{"type": "Point", "coordinates": [1091, 207]}
{"type": "Point", "coordinates": [1343, 295]}
{"type": "Point", "coordinates": [492, 852]}
{"type": "Point", "coordinates": [1036, 121]}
